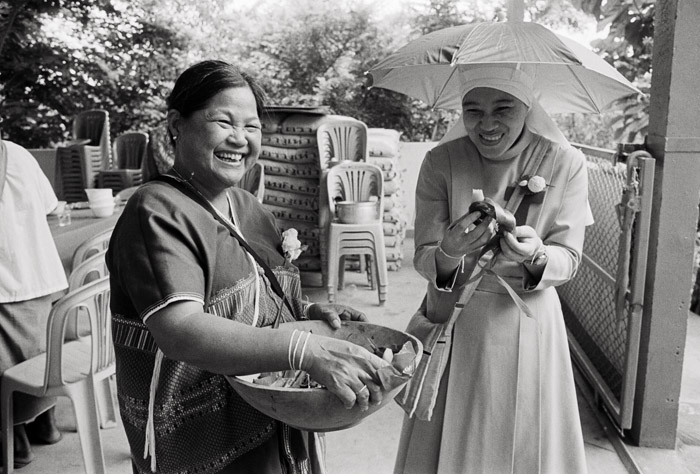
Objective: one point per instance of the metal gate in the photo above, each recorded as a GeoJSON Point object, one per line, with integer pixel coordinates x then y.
{"type": "Point", "coordinates": [603, 302]}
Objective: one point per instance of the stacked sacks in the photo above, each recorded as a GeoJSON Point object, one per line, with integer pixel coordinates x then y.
{"type": "Point", "coordinates": [292, 177]}
{"type": "Point", "coordinates": [383, 148]}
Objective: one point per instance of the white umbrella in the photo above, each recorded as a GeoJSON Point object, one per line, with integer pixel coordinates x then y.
{"type": "Point", "coordinates": [568, 76]}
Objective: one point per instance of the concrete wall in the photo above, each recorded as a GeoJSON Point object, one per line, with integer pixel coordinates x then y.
{"type": "Point", "coordinates": [412, 154]}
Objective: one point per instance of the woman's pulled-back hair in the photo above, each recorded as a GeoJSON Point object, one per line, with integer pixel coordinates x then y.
{"type": "Point", "coordinates": [202, 81]}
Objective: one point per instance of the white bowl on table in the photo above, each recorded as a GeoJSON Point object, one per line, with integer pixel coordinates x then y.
{"type": "Point", "coordinates": [103, 210]}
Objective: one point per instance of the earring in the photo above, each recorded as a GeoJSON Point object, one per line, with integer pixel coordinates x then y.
{"type": "Point", "coordinates": [174, 138]}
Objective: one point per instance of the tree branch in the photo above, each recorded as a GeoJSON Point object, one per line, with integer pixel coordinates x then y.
{"type": "Point", "coordinates": [5, 29]}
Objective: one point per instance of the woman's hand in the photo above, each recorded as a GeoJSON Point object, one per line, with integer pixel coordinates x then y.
{"type": "Point", "coordinates": [521, 245]}
{"type": "Point", "coordinates": [464, 237]}
{"type": "Point", "coordinates": [345, 369]}
{"type": "Point", "coordinates": [334, 313]}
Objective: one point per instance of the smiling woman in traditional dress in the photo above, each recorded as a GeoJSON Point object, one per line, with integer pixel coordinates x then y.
{"type": "Point", "coordinates": [506, 402]}
{"type": "Point", "coordinates": [198, 277]}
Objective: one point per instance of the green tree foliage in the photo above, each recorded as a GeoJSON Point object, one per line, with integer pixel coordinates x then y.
{"type": "Point", "coordinates": [61, 58]}
{"type": "Point", "coordinates": [628, 46]}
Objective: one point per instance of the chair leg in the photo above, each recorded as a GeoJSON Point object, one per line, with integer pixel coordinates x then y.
{"type": "Point", "coordinates": [85, 408]}
{"type": "Point", "coordinates": [382, 275]}
{"type": "Point", "coordinates": [370, 271]}
{"type": "Point", "coordinates": [8, 439]}
{"type": "Point", "coordinates": [333, 269]}
{"type": "Point", "coordinates": [341, 273]}
{"type": "Point", "coordinates": [106, 402]}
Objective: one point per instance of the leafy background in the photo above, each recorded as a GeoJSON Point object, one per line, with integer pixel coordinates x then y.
{"type": "Point", "coordinates": [60, 57]}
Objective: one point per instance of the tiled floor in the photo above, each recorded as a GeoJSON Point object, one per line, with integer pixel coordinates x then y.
{"type": "Point", "coordinates": [370, 447]}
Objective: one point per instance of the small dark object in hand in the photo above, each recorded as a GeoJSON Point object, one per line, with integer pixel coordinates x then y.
{"type": "Point", "coordinates": [489, 208]}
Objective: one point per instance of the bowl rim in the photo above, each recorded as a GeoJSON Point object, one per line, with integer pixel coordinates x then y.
{"type": "Point", "coordinates": [414, 340]}
{"type": "Point", "coordinates": [356, 203]}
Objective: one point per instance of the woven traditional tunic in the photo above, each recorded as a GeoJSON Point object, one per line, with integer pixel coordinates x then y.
{"type": "Point", "coordinates": [507, 402]}
{"type": "Point", "coordinates": [165, 248]}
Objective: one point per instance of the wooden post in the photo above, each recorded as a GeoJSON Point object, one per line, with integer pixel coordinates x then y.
{"type": "Point", "coordinates": [516, 10]}
{"type": "Point", "coordinates": [674, 140]}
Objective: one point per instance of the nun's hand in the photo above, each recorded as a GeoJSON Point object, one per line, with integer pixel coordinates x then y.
{"type": "Point", "coordinates": [520, 245]}
{"type": "Point", "coordinates": [465, 235]}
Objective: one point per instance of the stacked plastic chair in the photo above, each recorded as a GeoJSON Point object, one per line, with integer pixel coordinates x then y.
{"type": "Point", "coordinates": [129, 151]}
{"type": "Point", "coordinates": [341, 140]}
{"type": "Point", "coordinates": [76, 169]}
{"type": "Point", "coordinates": [356, 182]}
{"type": "Point", "coordinates": [94, 126]}
{"type": "Point", "coordinates": [78, 164]}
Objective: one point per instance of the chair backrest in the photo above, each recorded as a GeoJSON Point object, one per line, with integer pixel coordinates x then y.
{"type": "Point", "coordinates": [93, 301]}
{"type": "Point", "coordinates": [253, 181]}
{"type": "Point", "coordinates": [91, 246]}
{"type": "Point", "coordinates": [355, 181]}
{"type": "Point", "coordinates": [129, 149]}
{"type": "Point", "coordinates": [94, 125]}
{"type": "Point", "coordinates": [87, 271]}
{"type": "Point", "coordinates": [341, 140]}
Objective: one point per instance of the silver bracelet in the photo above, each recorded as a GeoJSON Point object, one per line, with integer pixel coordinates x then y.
{"type": "Point", "coordinates": [439, 246]}
{"type": "Point", "coordinates": [305, 311]}
{"type": "Point", "coordinates": [539, 253]}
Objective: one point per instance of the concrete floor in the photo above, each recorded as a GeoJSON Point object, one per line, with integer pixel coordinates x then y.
{"type": "Point", "coordinates": [370, 447]}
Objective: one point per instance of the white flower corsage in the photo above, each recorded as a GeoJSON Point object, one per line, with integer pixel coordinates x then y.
{"type": "Point", "coordinates": [534, 184]}
{"type": "Point", "coordinates": [291, 246]}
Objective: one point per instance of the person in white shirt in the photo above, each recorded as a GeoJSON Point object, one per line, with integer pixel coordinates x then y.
{"type": "Point", "coordinates": [30, 272]}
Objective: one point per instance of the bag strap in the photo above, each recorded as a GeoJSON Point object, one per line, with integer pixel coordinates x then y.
{"type": "Point", "coordinates": [204, 202]}
{"type": "Point", "coordinates": [533, 164]}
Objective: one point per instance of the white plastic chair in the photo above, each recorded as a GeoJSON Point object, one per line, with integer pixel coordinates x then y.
{"type": "Point", "coordinates": [359, 182]}
{"type": "Point", "coordinates": [91, 246]}
{"type": "Point", "coordinates": [341, 140]}
{"type": "Point", "coordinates": [94, 125]}
{"type": "Point", "coordinates": [67, 369]}
{"type": "Point", "coordinates": [89, 270]}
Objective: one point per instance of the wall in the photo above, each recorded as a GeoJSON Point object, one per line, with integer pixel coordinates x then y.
{"type": "Point", "coordinates": [412, 154]}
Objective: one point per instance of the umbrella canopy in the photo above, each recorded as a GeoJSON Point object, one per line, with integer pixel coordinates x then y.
{"type": "Point", "coordinates": [568, 76]}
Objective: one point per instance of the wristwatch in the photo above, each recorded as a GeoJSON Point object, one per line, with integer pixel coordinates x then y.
{"type": "Point", "coordinates": [540, 257]}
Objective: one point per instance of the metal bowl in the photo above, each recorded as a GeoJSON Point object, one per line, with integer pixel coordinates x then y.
{"type": "Point", "coordinates": [317, 409]}
{"type": "Point", "coordinates": [356, 212]}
